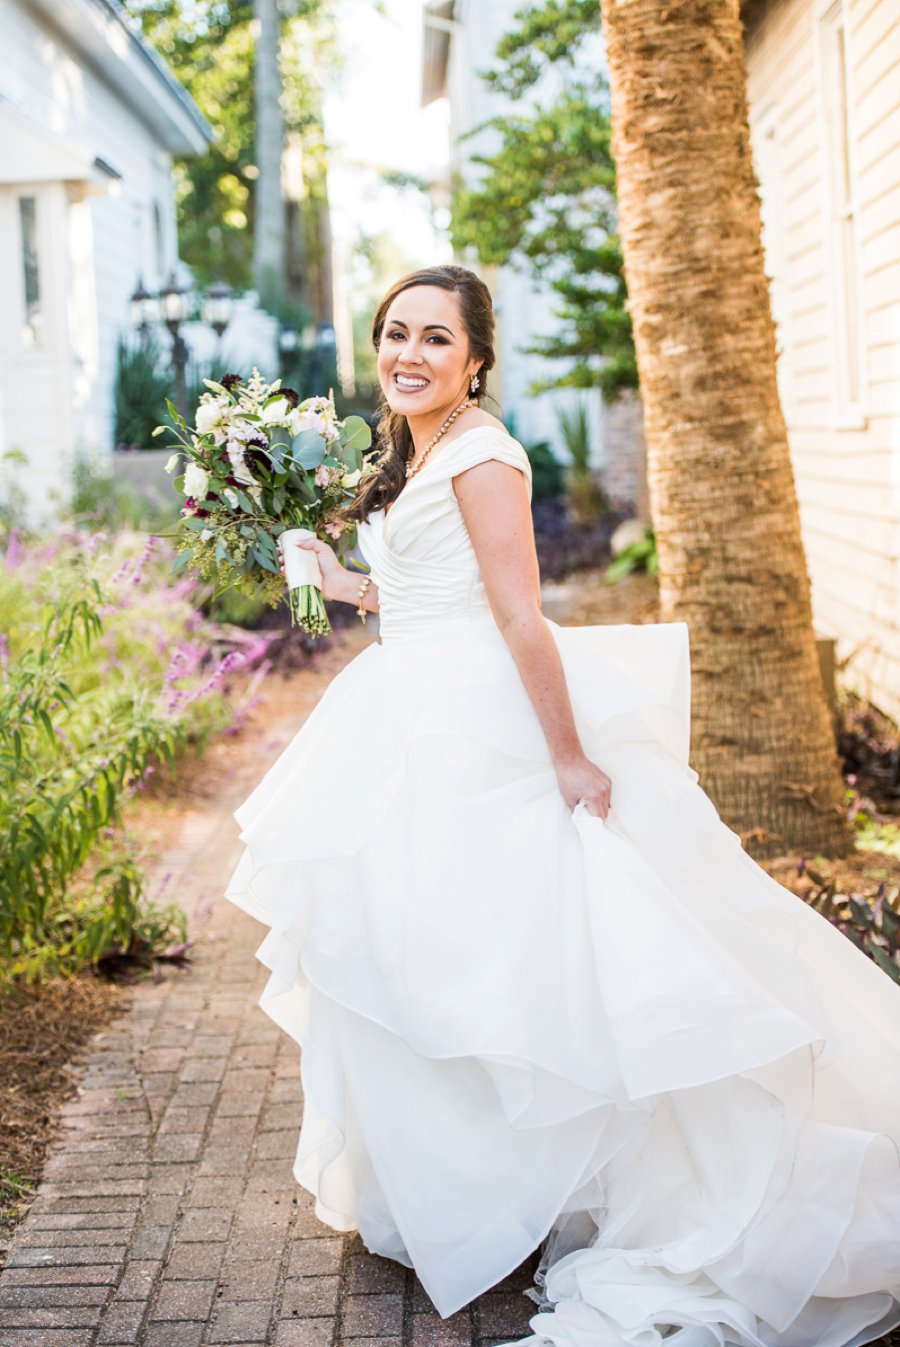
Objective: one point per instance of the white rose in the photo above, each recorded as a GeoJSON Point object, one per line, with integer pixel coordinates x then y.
{"type": "Point", "coordinates": [196, 481]}
{"type": "Point", "coordinates": [209, 414]}
{"type": "Point", "coordinates": [300, 421]}
{"type": "Point", "coordinates": [276, 413]}
{"type": "Point", "coordinates": [351, 478]}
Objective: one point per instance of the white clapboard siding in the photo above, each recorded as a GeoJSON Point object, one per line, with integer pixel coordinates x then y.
{"type": "Point", "coordinates": [95, 244]}
{"type": "Point", "coordinates": [847, 467]}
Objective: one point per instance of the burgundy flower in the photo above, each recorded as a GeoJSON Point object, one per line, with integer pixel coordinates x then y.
{"type": "Point", "coordinates": [292, 397]}
{"type": "Point", "coordinates": [230, 381]}
{"type": "Point", "coordinates": [255, 458]}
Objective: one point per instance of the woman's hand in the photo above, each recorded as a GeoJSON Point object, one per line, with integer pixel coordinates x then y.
{"type": "Point", "coordinates": [581, 779]}
{"type": "Point", "coordinates": [334, 584]}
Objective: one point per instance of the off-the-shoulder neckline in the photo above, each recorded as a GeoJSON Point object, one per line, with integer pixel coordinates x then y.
{"type": "Point", "coordinates": [473, 430]}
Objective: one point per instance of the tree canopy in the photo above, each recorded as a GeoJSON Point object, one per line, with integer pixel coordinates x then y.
{"type": "Point", "coordinates": [209, 45]}
{"type": "Point", "coordinates": [544, 198]}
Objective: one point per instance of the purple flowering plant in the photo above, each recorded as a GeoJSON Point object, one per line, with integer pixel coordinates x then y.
{"type": "Point", "coordinates": [259, 462]}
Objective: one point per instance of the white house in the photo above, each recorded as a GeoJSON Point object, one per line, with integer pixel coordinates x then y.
{"type": "Point", "coordinates": [90, 119]}
{"type": "Point", "coordinates": [460, 41]}
{"type": "Point", "coordinates": [824, 93]}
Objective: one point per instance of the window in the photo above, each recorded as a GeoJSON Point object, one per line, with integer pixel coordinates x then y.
{"type": "Point", "coordinates": [33, 327]}
{"type": "Point", "coordinates": [159, 246]}
{"type": "Point", "coordinates": [842, 210]}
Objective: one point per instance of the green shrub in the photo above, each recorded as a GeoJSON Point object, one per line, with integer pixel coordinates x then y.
{"type": "Point", "coordinates": [586, 497]}
{"type": "Point", "coordinates": [546, 470]}
{"type": "Point", "coordinates": [640, 555]}
{"type": "Point", "coordinates": [103, 676]}
{"type": "Point", "coordinates": [100, 501]}
{"type": "Point", "coordinates": [141, 389]}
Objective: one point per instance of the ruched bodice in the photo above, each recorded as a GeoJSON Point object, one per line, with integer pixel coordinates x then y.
{"type": "Point", "coordinates": [420, 552]}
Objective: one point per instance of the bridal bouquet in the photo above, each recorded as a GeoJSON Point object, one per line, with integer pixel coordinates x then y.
{"type": "Point", "coordinates": [262, 471]}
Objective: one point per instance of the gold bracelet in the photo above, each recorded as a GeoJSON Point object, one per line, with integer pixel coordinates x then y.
{"type": "Point", "coordinates": [361, 609]}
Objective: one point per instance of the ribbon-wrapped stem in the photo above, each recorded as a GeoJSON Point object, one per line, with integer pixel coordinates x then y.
{"type": "Point", "coordinates": [304, 583]}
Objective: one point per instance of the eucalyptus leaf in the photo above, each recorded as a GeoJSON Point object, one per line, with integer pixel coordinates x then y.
{"type": "Point", "coordinates": [308, 449]}
{"type": "Point", "coordinates": [182, 560]}
{"type": "Point", "coordinates": [356, 434]}
{"type": "Point", "coordinates": [264, 561]}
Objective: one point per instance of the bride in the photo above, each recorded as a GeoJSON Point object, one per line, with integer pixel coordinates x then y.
{"type": "Point", "coordinates": [544, 997]}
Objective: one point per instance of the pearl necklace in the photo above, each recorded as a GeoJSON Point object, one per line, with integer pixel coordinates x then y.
{"type": "Point", "coordinates": [470, 402]}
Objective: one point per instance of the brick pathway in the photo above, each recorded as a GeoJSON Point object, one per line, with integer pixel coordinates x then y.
{"type": "Point", "coordinates": [168, 1215]}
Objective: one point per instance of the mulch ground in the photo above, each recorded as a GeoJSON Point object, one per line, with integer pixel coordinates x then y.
{"type": "Point", "coordinates": [41, 1030]}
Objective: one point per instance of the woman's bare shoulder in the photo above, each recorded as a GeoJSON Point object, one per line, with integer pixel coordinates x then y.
{"type": "Point", "coordinates": [476, 420]}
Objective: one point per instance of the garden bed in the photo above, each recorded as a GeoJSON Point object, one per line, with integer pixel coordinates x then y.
{"type": "Point", "coordinates": [44, 1027]}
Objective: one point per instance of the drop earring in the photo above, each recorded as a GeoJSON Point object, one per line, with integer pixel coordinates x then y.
{"type": "Point", "coordinates": [474, 383]}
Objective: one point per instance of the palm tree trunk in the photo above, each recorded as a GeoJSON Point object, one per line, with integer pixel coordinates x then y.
{"type": "Point", "coordinates": [269, 237]}
{"type": "Point", "coordinates": [722, 491]}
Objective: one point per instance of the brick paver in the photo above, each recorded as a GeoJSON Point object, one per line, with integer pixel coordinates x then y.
{"type": "Point", "coordinates": [168, 1215]}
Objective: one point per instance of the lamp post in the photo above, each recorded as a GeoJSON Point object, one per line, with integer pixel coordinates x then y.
{"type": "Point", "coordinates": [218, 305]}
{"type": "Point", "coordinates": [172, 306]}
{"type": "Point", "coordinates": [326, 345]}
{"type": "Point", "coordinates": [173, 300]}
{"type": "Point", "coordinates": [288, 345]}
{"type": "Point", "coordinates": [319, 344]}
{"type": "Point", "coordinates": [144, 309]}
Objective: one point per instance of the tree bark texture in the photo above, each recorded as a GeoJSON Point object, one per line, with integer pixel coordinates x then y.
{"type": "Point", "coordinates": [269, 236]}
{"type": "Point", "coordinates": [722, 490]}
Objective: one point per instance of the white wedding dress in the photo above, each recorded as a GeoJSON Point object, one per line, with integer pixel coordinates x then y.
{"type": "Point", "coordinates": [522, 1024]}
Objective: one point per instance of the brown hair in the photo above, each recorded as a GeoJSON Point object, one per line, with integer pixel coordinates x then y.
{"type": "Point", "coordinates": [393, 433]}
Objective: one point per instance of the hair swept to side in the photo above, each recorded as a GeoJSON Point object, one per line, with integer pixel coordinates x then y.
{"type": "Point", "coordinates": [393, 436]}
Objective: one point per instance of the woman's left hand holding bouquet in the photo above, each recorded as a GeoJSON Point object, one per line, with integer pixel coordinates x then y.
{"type": "Point", "coordinates": [337, 581]}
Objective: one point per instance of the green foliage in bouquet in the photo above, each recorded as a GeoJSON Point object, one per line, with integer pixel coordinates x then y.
{"type": "Point", "coordinates": [259, 462]}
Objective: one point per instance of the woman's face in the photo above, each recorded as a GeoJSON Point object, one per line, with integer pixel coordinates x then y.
{"type": "Point", "coordinates": [424, 365]}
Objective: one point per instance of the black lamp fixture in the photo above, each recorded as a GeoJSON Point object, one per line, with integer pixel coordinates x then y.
{"type": "Point", "coordinates": [173, 306]}
{"type": "Point", "coordinates": [144, 308]}
{"type": "Point", "coordinates": [174, 303]}
{"type": "Point", "coordinates": [218, 307]}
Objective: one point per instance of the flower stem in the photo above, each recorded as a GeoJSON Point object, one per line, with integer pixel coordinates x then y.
{"type": "Point", "coordinates": [308, 609]}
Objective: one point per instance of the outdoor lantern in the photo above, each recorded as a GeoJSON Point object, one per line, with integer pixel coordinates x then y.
{"type": "Point", "coordinates": [174, 304]}
{"type": "Point", "coordinates": [144, 308]}
{"type": "Point", "coordinates": [288, 340]}
{"type": "Point", "coordinates": [218, 306]}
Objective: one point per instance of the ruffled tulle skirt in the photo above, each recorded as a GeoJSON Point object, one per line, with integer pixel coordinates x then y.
{"type": "Point", "coordinates": [521, 1024]}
